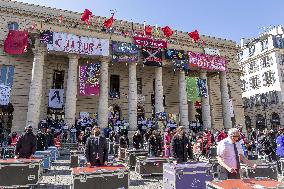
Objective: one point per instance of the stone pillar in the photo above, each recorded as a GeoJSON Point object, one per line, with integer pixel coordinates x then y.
{"type": "Point", "coordinates": [191, 111]}
{"type": "Point", "coordinates": [183, 106]}
{"type": "Point", "coordinates": [71, 90]}
{"type": "Point", "coordinates": [159, 106]}
{"type": "Point", "coordinates": [132, 97]}
{"type": "Point", "coordinates": [35, 94]}
{"type": "Point", "coordinates": [103, 98]}
{"type": "Point", "coordinates": [225, 99]}
{"type": "Point", "coordinates": [205, 105]}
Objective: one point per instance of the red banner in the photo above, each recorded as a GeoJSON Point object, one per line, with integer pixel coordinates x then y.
{"type": "Point", "coordinates": [16, 42]}
{"type": "Point", "coordinates": [207, 62]}
{"type": "Point", "coordinates": [147, 42]}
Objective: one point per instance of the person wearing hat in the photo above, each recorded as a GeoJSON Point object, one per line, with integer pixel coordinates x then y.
{"type": "Point", "coordinates": [27, 144]}
{"type": "Point", "coordinates": [96, 151]}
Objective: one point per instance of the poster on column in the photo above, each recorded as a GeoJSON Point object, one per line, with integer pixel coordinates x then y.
{"type": "Point", "coordinates": [55, 98]}
{"type": "Point", "coordinates": [207, 62]}
{"type": "Point", "coordinates": [4, 95]}
{"type": "Point", "coordinates": [70, 43]}
{"type": "Point", "coordinates": [89, 79]}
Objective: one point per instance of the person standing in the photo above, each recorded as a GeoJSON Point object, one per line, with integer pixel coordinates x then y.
{"type": "Point", "coordinates": [137, 140]}
{"type": "Point", "coordinates": [181, 147]}
{"type": "Point", "coordinates": [27, 143]}
{"type": "Point", "coordinates": [96, 151]}
{"type": "Point", "coordinates": [40, 141]}
{"type": "Point", "coordinates": [167, 142]}
{"type": "Point", "coordinates": [230, 153]}
{"type": "Point", "coordinates": [13, 139]}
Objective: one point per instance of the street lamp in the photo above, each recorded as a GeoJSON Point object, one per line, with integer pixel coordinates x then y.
{"type": "Point", "coordinates": [264, 104]}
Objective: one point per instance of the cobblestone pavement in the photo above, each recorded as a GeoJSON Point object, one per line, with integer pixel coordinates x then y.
{"type": "Point", "coordinates": [59, 177]}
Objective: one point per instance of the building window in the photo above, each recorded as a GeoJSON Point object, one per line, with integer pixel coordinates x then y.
{"type": "Point", "coordinates": [13, 26]}
{"type": "Point", "coordinates": [279, 42]}
{"type": "Point", "coordinates": [6, 75]}
{"type": "Point", "coordinates": [251, 50]}
{"type": "Point", "coordinates": [114, 86]}
{"type": "Point", "coordinates": [58, 79]}
{"type": "Point", "coordinates": [266, 62]}
{"type": "Point", "coordinates": [268, 78]}
{"type": "Point", "coordinates": [282, 74]}
{"type": "Point", "coordinates": [281, 60]}
{"type": "Point", "coordinates": [139, 85]}
{"type": "Point", "coordinates": [240, 56]}
{"type": "Point", "coordinates": [251, 67]}
{"type": "Point", "coordinates": [243, 85]}
{"type": "Point", "coordinates": [264, 44]}
{"type": "Point", "coordinates": [255, 82]}
{"type": "Point", "coordinates": [273, 97]}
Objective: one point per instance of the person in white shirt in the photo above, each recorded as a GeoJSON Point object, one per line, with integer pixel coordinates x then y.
{"type": "Point", "coordinates": [230, 153]}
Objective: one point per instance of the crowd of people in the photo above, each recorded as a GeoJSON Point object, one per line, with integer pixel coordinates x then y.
{"type": "Point", "coordinates": [177, 142]}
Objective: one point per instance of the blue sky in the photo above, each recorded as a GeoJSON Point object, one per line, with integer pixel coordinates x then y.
{"type": "Point", "coordinates": [230, 19]}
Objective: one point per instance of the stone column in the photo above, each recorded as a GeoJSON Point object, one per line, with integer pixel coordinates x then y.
{"type": "Point", "coordinates": [159, 106]}
{"type": "Point", "coordinates": [132, 97]}
{"type": "Point", "coordinates": [71, 91]}
{"type": "Point", "coordinates": [191, 111]}
{"type": "Point", "coordinates": [183, 106]}
{"type": "Point", "coordinates": [205, 105]}
{"type": "Point", "coordinates": [35, 94]}
{"type": "Point", "coordinates": [103, 98]}
{"type": "Point", "coordinates": [225, 99]}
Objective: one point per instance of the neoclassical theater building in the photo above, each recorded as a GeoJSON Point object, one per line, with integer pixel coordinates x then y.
{"type": "Point", "coordinates": [138, 88]}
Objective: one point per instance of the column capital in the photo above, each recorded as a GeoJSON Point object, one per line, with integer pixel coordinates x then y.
{"type": "Point", "coordinates": [73, 56]}
{"type": "Point", "coordinates": [39, 48]}
{"type": "Point", "coordinates": [105, 59]}
{"type": "Point", "coordinates": [203, 74]}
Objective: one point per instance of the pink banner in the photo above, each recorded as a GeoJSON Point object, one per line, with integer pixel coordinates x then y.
{"type": "Point", "coordinates": [207, 62]}
{"type": "Point", "coordinates": [89, 80]}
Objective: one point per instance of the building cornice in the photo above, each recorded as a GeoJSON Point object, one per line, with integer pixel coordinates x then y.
{"type": "Point", "coordinates": [42, 13]}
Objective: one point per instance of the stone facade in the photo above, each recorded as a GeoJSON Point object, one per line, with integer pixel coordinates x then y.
{"type": "Point", "coordinates": [261, 63]}
{"type": "Point", "coordinates": [46, 18]}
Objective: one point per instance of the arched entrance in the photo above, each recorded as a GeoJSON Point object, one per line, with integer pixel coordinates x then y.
{"type": "Point", "coordinates": [6, 117]}
{"type": "Point", "coordinates": [275, 120]}
{"type": "Point", "coordinates": [140, 112]}
{"type": "Point", "coordinates": [260, 122]}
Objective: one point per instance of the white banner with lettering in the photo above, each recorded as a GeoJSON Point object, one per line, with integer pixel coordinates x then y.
{"type": "Point", "coordinates": [4, 95]}
{"type": "Point", "coordinates": [56, 98]}
{"type": "Point", "coordinates": [79, 45]}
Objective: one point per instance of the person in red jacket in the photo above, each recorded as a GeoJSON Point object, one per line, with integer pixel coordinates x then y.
{"type": "Point", "coordinates": [222, 135]}
{"type": "Point", "coordinates": [167, 142]}
{"type": "Point", "coordinates": [13, 139]}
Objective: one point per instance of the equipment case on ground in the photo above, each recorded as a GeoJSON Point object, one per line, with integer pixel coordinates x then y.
{"type": "Point", "coordinates": [20, 172]}
{"type": "Point", "coordinates": [186, 175]}
{"type": "Point", "coordinates": [132, 154]}
{"type": "Point", "coordinates": [153, 166]}
{"type": "Point", "coordinates": [74, 158]}
{"type": "Point", "coordinates": [264, 169]}
{"type": "Point", "coordinates": [107, 177]}
{"type": "Point", "coordinates": [46, 156]}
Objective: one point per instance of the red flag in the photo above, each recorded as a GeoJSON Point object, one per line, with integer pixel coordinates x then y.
{"type": "Point", "coordinates": [108, 23]}
{"type": "Point", "coordinates": [16, 42]}
{"type": "Point", "coordinates": [167, 31]}
{"type": "Point", "coordinates": [194, 35]}
{"type": "Point", "coordinates": [86, 15]}
{"type": "Point", "coordinates": [148, 30]}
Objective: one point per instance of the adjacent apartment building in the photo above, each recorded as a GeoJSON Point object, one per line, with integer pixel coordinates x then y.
{"type": "Point", "coordinates": [261, 62]}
